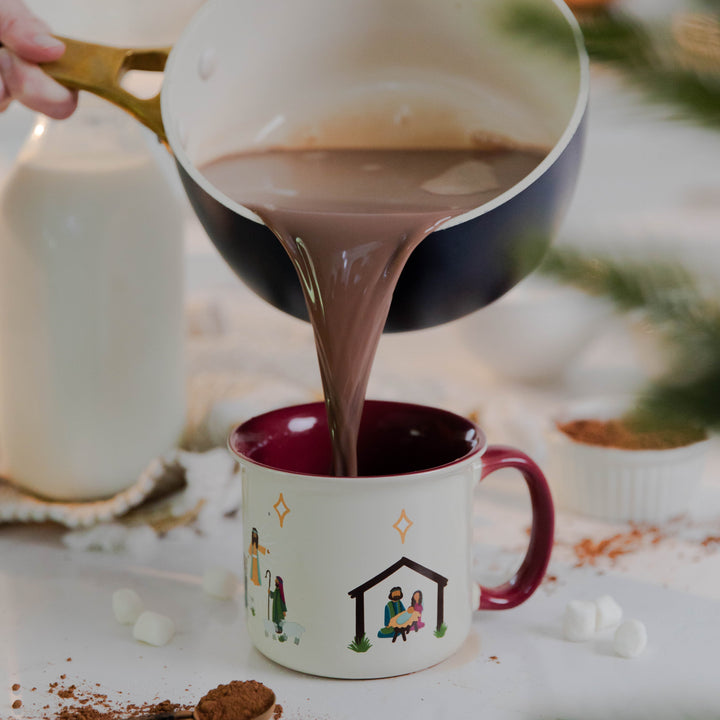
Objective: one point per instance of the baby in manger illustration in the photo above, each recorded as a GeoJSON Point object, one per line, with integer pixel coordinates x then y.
{"type": "Point", "coordinates": [399, 620]}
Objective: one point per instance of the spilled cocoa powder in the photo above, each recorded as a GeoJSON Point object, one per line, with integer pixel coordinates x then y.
{"type": "Point", "coordinates": [235, 701]}
{"type": "Point", "coordinates": [608, 550]}
{"type": "Point", "coordinates": [588, 551]}
{"type": "Point", "coordinates": [618, 433]}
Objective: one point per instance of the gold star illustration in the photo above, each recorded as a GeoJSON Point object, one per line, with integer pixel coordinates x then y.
{"type": "Point", "coordinates": [281, 509]}
{"type": "Point", "coordinates": [402, 525]}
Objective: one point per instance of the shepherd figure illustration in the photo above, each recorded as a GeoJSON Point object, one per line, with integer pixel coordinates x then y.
{"type": "Point", "coordinates": [279, 607]}
{"type": "Point", "coordinates": [254, 552]}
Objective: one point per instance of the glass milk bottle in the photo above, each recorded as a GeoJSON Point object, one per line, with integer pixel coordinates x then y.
{"type": "Point", "coordinates": [91, 327]}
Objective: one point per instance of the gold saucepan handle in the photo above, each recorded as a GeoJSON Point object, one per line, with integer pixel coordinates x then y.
{"type": "Point", "coordinates": [99, 69]}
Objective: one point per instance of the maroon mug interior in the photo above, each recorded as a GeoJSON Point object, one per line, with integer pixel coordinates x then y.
{"type": "Point", "coordinates": [395, 439]}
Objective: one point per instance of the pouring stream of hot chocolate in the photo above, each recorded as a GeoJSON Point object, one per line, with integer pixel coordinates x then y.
{"type": "Point", "coordinates": [349, 220]}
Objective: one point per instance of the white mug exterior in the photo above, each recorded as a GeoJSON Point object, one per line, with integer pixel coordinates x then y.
{"type": "Point", "coordinates": [340, 545]}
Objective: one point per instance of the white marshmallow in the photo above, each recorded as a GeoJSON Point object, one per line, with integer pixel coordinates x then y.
{"type": "Point", "coordinates": [153, 628]}
{"type": "Point", "coordinates": [219, 582]}
{"type": "Point", "coordinates": [127, 606]}
{"type": "Point", "coordinates": [630, 639]}
{"type": "Point", "coordinates": [609, 613]}
{"type": "Point", "coordinates": [579, 620]}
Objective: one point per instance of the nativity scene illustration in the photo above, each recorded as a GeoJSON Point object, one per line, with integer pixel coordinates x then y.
{"type": "Point", "coordinates": [398, 619]}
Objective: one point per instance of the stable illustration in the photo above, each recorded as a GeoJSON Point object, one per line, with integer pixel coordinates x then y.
{"type": "Point", "coordinates": [399, 620]}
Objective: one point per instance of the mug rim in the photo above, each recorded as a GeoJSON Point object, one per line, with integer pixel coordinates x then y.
{"type": "Point", "coordinates": [438, 470]}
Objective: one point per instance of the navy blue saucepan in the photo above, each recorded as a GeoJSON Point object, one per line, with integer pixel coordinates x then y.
{"type": "Point", "coordinates": [320, 73]}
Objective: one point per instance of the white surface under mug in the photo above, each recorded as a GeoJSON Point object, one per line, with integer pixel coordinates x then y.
{"type": "Point", "coordinates": [371, 576]}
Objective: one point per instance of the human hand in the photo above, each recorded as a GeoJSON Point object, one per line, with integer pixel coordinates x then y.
{"type": "Point", "coordinates": [25, 40]}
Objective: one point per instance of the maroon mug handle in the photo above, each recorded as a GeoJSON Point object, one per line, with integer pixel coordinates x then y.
{"type": "Point", "coordinates": [532, 570]}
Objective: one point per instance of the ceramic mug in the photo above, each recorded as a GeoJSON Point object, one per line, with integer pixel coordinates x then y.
{"type": "Point", "coordinates": [370, 576]}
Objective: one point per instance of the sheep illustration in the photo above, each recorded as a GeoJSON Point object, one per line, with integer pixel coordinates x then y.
{"type": "Point", "coordinates": [293, 630]}
{"type": "Point", "coordinates": [270, 629]}
{"type": "Point", "coordinates": [290, 630]}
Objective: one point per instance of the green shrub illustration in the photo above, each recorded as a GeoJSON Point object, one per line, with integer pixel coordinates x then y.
{"type": "Point", "coordinates": [362, 646]}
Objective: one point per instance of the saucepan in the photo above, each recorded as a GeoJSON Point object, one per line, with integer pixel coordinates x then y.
{"type": "Point", "coordinates": [247, 75]}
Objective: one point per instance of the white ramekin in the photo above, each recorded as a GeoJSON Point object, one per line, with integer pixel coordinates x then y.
{"type": "Point", "coordinates": [641, 486]}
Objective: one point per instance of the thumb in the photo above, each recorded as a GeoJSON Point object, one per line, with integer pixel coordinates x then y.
{"type": "Point", "coordinates": [25, 34]}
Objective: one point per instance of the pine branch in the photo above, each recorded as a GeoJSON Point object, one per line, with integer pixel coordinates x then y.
{"type": "Point", "coordinates": [613, 37]}
{"type": "Point", "coordinates": [538, 25]}
{"type": "Point", "coordinates": [650, 62]}
{"type": "Point", "coordinates": [646, 56]}
{"type": "Point", "coordinates": [663, 290]}
{"type": "Point", "coordinates": [687, 319]}
{"type": "Point", "coordinates": [691, 405]}
{"type": "Point", "coordinates": [710, 5]}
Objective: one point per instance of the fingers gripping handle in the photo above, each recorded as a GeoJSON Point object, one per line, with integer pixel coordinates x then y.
{"type": "Point", "coordinates": [99, 69]}
{"type": "Point", "coordinates": [528, 577]}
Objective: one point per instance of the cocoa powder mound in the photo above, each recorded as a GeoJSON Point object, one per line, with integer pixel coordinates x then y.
{"type": "Point", "coordinates": [617, 433]}
{"type": "Point", "coordinates": [238, 700]}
